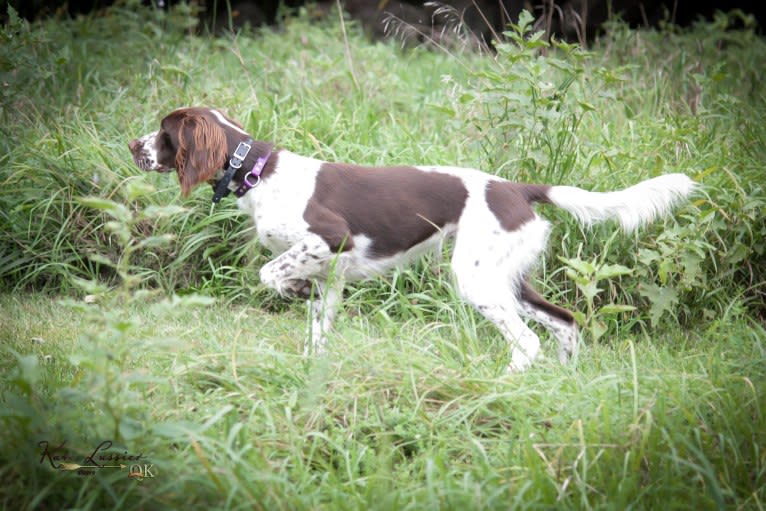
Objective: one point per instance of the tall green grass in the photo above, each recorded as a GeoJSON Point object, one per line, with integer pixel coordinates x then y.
{"type": "Point", "coordinates": [410, 408]}
{"type": "Point", "coordinates": [410, 415]}
{"type": "Point", "coordinates": [637, 105]}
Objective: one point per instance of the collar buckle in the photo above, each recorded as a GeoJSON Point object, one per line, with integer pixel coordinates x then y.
{"type": "Point", "coordinates": [240, 153]}
{"type": "Point", "coordinates": [254, 175]}
{"type": "Point", "coordinates": [221, 187]}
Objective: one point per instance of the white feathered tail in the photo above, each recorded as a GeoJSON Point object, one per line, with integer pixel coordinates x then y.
{"type": "Point", "coordinates": [632, 207]}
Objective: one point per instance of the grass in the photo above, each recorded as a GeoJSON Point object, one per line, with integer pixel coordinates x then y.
{"type": "Point", "coordinates": [395, 415]}
{"type": "Point", "coordinates": [108, 334]}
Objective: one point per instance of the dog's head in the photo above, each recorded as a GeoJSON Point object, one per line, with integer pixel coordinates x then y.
{"type": "Point", "coordinates": [193, 141]}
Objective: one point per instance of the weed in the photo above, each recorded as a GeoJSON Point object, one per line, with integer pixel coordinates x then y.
{"type": "Point", "coordinates": [587, 276]}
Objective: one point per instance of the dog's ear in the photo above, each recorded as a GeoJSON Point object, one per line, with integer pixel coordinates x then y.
{"type": "Point", "coordinates": [201, 151]}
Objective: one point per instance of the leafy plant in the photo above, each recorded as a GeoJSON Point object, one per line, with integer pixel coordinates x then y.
{"type": "Point", "coordinates": [588, 277]}
{"type": "Point", "coordinates": [529, 106]}
{"type": "Point", "coordinates": [103, 396]}
{"type": "Point", "coordinates": [125, 228]}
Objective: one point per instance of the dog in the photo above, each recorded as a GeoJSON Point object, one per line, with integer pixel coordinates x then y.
{"type": "Point", "coordinates": [332, 223]}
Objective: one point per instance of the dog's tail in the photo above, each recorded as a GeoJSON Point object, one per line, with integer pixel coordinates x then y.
{"type": "Point", "coordinates": [632, 207]}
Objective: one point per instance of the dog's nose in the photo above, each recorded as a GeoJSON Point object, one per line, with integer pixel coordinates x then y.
{"type": "Point", "coordinates": [133, 145]}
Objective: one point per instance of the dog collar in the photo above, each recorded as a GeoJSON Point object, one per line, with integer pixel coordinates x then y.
{"type": "Point", "coordinates": [232, 166]}
{"type": "Point", "coordinates": [253, 178]}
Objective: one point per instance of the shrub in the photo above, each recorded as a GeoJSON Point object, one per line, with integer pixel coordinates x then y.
{"type": "Point", "coordinates": [550, 112]}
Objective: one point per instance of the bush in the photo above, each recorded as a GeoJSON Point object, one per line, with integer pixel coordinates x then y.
{"type": "Point", "coordinates": [550, 112]}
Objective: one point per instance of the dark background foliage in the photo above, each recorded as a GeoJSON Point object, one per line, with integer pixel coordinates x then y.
{"type": "Point", "coordinates": [569, 18]}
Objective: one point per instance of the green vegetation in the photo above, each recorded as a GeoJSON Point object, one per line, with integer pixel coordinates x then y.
{"type": "Point", "coordinates": [135, 316]}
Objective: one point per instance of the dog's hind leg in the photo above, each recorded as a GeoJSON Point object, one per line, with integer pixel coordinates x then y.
{"type": "Point", "coordinates": [484, 279]}
{"type": "Point", "coordinates": [324, 306]}
{"type": "Point", "coordinates": [557, 320]}
{"type": "Point", "coordinates": [491, 296]}
{"type": "Point", "coordinates": [489, 263]}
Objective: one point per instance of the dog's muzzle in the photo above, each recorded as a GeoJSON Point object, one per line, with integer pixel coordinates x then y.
{"type": "Point", "coordinates": [142, 158]}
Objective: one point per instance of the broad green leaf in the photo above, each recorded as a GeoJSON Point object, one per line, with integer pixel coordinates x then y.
{"type": "Point", "coordinates": [536, 41]}
{"type": "Point", "coordinates": [192, 300]}
{"type": "Point", "coordinates": [738, 253]}
{"type": "Point", "coordinates": [443, 108]}
{"type": "Point", "coordinates": [162, 211]}
{"type": "Point", "coordinates": [666, 267]}
{"type": "Point", "coordinates": [92, 287]}
{"type": "Point", "coordinates": [584, 268]}
{"type": "Point", "coordinates": [662, 299]}
{"type": "Point", "coordinates": [525, 21]}
{"type": "Point", "coordinates": [614, 308]}
{"type": "Point", "coordinates": [15, 405]}
{"type": "Point", "coordinates": [28, 368]}
{"type": "Point", "coordinates": [170, 69]}
{"type": "Point", "coordinates": [691, 264]}
{"type": "Point", "coordinates": [609, 271]}
{"type": "Point", "coordinates": [100, 259]}
{"type": "Point", "coordinates": [648, 256]}
{"type": "Point", "coordinates": [578, 279]}
{"type": "Point", "coordinates": [175, 429]}
{"type": "Point", "coordinates": [590, 290]}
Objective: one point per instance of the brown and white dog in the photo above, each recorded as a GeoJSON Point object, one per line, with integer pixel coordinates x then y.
{"type": "Point", "coordinates": [331, 222]}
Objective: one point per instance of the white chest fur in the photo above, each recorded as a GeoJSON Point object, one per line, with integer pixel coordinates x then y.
{"type": "Point", "coordinates": [278, 204]}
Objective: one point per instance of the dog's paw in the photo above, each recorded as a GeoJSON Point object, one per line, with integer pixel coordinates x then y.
{"type": "Point", "coordinates": [297, 289]}
{"type": "Point", "coordinates": [519, 364]}
{"type": "Point", "coordinates": [568, 348]}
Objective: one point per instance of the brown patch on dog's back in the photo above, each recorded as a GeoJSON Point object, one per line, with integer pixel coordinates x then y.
{"type": "Point", "coordinates": [396, 207]}
{"type": "Point", "coordinates": [511, 202]}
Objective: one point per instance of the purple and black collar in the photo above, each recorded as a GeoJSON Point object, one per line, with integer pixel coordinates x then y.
{"type": "Point", "coordinates": [249, 180]}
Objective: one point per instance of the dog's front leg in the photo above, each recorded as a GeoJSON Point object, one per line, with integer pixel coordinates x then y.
{"type": "Point", "coordinates": [308, 270]}
{"type": "Point", "coordinates": [324, 306]}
